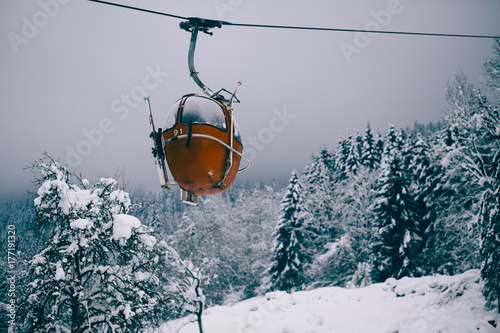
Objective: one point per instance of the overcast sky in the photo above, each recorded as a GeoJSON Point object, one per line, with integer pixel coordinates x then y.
{"type": "Point", "coordinates": [74, 72]}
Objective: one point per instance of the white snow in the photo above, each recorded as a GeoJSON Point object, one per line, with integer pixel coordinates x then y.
{"type": "Point", "coordinates": [439, 303]}
{"type": "Point", "coordinates": [148, 240]}
{"type": "Point", "coordinates": [60, 275]}
{"type": "Point", "coordinates": [39, 259]}
{"type": "Point", "coordinates": [80, 224]}
{"type": "Point", "coordinates": [332, 248]}
{"type": "Point", "coordinates": [72, 248]}
{"type": "Point", "coordinates": [121, 197]}
{"type": "Point", "coordinates": [123, 224]}
{"type": "Point", "coordinates": [128, 311]}
{"type": "Point", "coordinates": [74, 199]}
{"type": "Point", "coordinates": [142, 276]}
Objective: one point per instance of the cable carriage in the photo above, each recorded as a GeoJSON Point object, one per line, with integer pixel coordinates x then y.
{"type": "Point", "coordinates": [202, 145]}
{"type": "Point", "coordinates": [200, 141]}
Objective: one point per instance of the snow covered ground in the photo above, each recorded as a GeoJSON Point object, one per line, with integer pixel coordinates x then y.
{"type": "Point", "coordinates": [414, 305]}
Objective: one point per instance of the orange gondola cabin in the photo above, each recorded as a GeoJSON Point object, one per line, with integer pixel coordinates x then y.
{"type": "Point", "coordinates": [202, 145]}
{"type": "Point", "coordinates": [200, 141]}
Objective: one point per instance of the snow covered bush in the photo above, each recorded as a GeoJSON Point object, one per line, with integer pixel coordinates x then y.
{"type": "Point", "coordinates": [233, 230]}
{"type": "Point", "coordinates": [102, 270]}
{"type": "Point", "coordinates": [475, 125]}
{"type": "Point", "coordinates": [336, 266]}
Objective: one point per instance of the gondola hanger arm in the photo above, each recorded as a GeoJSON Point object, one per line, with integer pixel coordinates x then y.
{"type": "Point", "coordinates": [193, 25]}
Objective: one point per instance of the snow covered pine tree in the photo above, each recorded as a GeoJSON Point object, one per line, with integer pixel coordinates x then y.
{"type": "Point", "coordinates": [318, 179]}
{"type": "Point", "coordinates": [101, 270]}
{"type": "Point", "coordinates": [290, 255]}
{"type": "Point", "coordinates": [370, 155]}
{"type": "Point", "coordinates": [396, 244]}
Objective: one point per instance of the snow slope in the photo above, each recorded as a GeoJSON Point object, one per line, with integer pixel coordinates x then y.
{"type": "Point", "coordinates": [414, 305]}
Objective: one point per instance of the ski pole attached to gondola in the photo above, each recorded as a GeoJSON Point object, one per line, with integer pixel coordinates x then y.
{"type": "Point", "coordinates": [158, 153]}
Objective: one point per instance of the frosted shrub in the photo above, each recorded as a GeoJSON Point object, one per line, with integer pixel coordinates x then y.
{"type": "Point", "coordinates": [102, 270]}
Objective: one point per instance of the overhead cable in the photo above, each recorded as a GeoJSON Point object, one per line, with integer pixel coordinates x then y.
{"type": "Point", "coordinates": [269, 26]}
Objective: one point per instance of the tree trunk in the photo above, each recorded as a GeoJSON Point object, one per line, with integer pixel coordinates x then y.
{"type": "Point", "coordinates": [198, 319]}
{"type": "Point", "coordinates": [77, 317]}
{"type": "Point", "coordinates": [201, 304]}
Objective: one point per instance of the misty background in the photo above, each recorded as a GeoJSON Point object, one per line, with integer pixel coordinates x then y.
{"type": "Point", "coordinates": [73, 73]}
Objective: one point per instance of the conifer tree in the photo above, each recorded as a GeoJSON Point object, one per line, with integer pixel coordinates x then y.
{"type": "Point", "coordinates": [370, 157]}
{"type": "Point", "coordinates": [397, 241]}
{"type": "Point", "coordinates": [359, 142]}
{"type": "Point", "coordinates": [427, 183]}
{"type": "Point", "coordinates": [490, 246]}
{"type": "Point", "coordinates": [342, 155]}
{"type": "Point", "coordinates": [391, 142]}
{"type": "Point", "coordinates": [353, 160]}
{"type": "Point", "coordinates": [379, 144]}
{"type": "Point", "coordinates": [319, 173]}
{"type": "Point", "coordinates": [319, 183]}
{"type": "Point", "coordinates": [290, 255]}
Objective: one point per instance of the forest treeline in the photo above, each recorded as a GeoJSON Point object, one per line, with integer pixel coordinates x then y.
{"type": "Point", "coordinates": [372, 206]}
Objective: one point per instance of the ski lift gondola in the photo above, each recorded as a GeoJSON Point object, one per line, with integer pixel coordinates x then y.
{"type": "Point", "coordinates": [200, 141]}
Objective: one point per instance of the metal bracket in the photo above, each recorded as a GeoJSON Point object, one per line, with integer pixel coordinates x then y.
{"type": "Point", "coordinates": [201, 24]}
{"type": "Point", "coordinates": [189, 198]}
